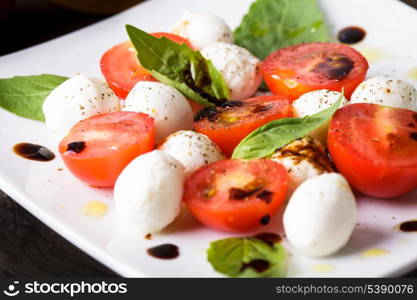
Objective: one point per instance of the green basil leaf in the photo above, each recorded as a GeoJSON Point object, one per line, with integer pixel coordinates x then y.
{"type": "Point", "coordinates": [265, 140]}
{"type": "Point", "coordinates": [179, 66]}
{"type": "Point", "coordinates": [247, 257]}
{"type": "Point", "coordinates": [24, 95]}
{"type": "Point", "coordinates": [273, 24]}
{"type": "Point", "coordinates": [183, 88]}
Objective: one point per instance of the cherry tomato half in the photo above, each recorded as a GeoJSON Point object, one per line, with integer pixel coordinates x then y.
{"type": "Point", "coordinates": [296, 70]}
{"type": "Point", "coordinates": [232, 121]}
{"type": "Point", "coordinates": [375, 148]}
{"type": "Point", "coordinates": [121, 68]}
{"type": "Point", "coordinates": [98, 148]}
{"type": "Point", "coordinates": [236, 195]}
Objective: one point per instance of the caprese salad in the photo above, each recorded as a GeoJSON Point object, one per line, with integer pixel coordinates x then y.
{"type": "Point", "coordinates": [179, 119]}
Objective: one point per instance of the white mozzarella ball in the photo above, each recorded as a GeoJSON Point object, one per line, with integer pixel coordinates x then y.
{"type": "Point", "coordinates": [76, 99]}
{"type": "Point", "coordinates": [166, 105]}
{"type": "Point", "coordinates": [314, 102]}
{"type": "Point", "coordinates": [240, 69]}
{"type": "Point", "coordinates": [202, 29]}
{"type": "Point", "coordinates": [304, 158]}
{"type": "Point", "coordinates": [321, 215]}
{"type": "Point", "coordinates": [192, 149]}
{"type": "Point", "coordinates": [148, 192]}
{"type": "Point", "coordinates": [387, 92]}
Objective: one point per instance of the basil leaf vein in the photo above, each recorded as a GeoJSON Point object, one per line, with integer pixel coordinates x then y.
{"type": "Point", "coordinates": [265, 140]}
{"type": "Point", "coordinates": [24, 95]}
{"type": "Point", "coordinates": [179, 66]}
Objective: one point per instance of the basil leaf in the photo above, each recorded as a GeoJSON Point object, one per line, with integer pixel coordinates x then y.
{"type": "Point", "coordinates": [179, 66]}
{"type": "Point", "coordinates": [247, 257]}
{"type": "Point", "coordinates": [183, 88]}
{"type": "Point", "coordinates": [24, 95]}
{"type": "Point", "coordinates": [273, 24]}
{"type": "Point", "coordinates": [266, 139]}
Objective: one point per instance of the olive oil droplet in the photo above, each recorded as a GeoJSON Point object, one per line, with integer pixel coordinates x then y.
{"type": "Point", "coordinates": [95, 209]}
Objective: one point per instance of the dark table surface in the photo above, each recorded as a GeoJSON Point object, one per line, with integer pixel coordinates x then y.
{"type": "Point", "coordinates": [28, 248]}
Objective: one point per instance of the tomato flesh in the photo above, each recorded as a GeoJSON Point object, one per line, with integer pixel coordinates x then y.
{"type": "Point", "coordinates": [228, 124]}
{"type": "Point", "coordinates": [98, 148]}
{"type": "Point", "coordinates": [121, 68]}
{"type": "Point", "coordinates": [375, 148]}
{"type": "Point", "coordinates": [296, 70]}
{"type": "Point", "coordinates": [236, 195]}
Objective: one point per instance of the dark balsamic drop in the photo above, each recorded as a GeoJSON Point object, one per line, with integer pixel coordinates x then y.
{"type": "Point", "coordinates": [268, 237]}
{"type": "Point", "coordinates": [209, 113]}
{"type": "Point", "coordinates": [351, 35]}
{"type": "Point", "coordinates": [413, 136]}
{"type": "Point", "coordinates": [76, 147]}
{"type": "Point", "coordinates": [33, 152]}
{"type": "Point", "coordinates": [265, 220]}
{"type": "Point", "coordinates": [259, 265]}
{"type": "Point", "coordinates": [335, 66]}
{"type": "Point", "coordinates": [148, 236]}
{"type": "Point", "coordinates": [409, 226]}
{"type": "Point", "coordinates": [164, 251]}
{"type": "Point", "coordinates": [265, 196]}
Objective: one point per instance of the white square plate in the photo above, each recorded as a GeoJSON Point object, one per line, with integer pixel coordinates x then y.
{"type": "Point", "coordinates": [57, 198]}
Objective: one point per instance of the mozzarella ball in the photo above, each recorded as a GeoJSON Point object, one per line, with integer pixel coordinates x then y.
{"type": "Point", "coordinates": [304, 158]}
{"type": "Point", "coordinates": [148, 192]}
{"type": "Point", "coordinates": [202, 29]}
{"type": "Point", "coordinates": [166, 105]}
{"type": "Point", "coordinates": [387, 92]}
{"type": "Point", "coordinates": [76, 99]}
{"type": "Point", "coordinates": [192, 149]}
{"type": "Point", "coordinates": [321, 215]}
{"type": "Point", "coordinates": [240, 69]}
{"type": "Point", "coordinates": [312, 103]}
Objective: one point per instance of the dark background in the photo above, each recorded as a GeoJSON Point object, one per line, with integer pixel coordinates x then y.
{"type": "Point", "coordinates": [28, 248]}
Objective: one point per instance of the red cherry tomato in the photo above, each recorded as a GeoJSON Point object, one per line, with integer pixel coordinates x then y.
{"type": "Point", "coordinates": [236, 195]}
{"type": "Point", "coordinates": [228, 124]}
{"type": "Point", "coordinates": [121, 68]}
{"type": "Point", "coordinates": [296, 70]}
{"type": "Point", "coordinates": [375, 148]}
{"type": "Point", "coordinates": [98, 148]}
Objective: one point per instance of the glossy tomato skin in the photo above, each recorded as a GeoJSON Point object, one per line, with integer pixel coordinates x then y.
{"type": "Point", "coordinates": [375, 148]}
{"type": "Point", "coordinates": [296, 70]}
{"type": "Point", "coordinates": [121, 68]}
{"type": "Point", "coordinates": [98, 148]}
{"type": "Point", "coordinates": [228, 124]}
{"type": "Point", "coordinates": [236, 195]}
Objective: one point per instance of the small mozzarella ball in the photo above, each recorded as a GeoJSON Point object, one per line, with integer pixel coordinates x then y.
{"type": "Point", "coordinates": [192, 149]}
{"type": "Point", "coordinates": [76, 99]}
{"type": "Point", "coordinates": [387, 92]}
{"type": "Point", "coordinates": [148, 192]}
{"type": "Point", "coordinates": [312, 103]}
{"type": "Point", "coordinates": [321, 215]}
{"type": "Point", "coordinates": [166, 105]}
{"type": "Point", "coordinates": [240, 69]}
{"type": "Point", "coordinates": [202, 29]}
{"type": "Point", "coordinates": [304, 158]}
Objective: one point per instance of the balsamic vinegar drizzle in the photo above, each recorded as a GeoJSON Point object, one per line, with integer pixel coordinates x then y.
{"type": "Point", "coordinates": [164, 251]}
{"type": "Point", "coordinates": [265, 220]}
{"type": "Point", "coordinates": [268, 237]}
{"type": "Point", "coordinates": [33, 152]}
{"type": "Point", "coordinates": [76, 147]}
{"type": "Point", "coordinates": [351, 35]}
{"type": "Point", "coordinates": [259, 265]}
{"type": "Point", "coordinates": [409, 226]}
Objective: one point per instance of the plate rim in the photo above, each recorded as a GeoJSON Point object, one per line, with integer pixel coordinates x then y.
{"type": "Point", "coordinates": [52, 221]}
